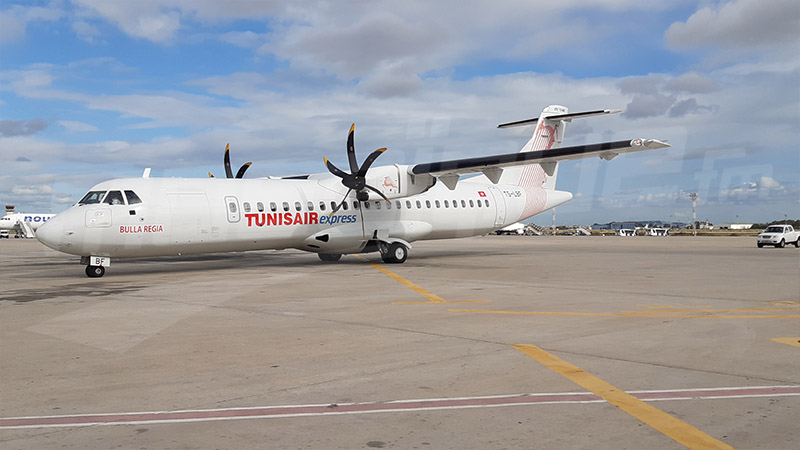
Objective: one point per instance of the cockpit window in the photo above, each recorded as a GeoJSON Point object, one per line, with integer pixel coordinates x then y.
{"type": "Point", "coordinates": [132, 198]}
{"type": "Point", "coordinates": [92, 197]}
{"type": "Point", "coordinates": [114, 198]}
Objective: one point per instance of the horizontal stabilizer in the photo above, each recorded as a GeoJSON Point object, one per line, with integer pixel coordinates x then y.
{"type": "Point", "coordinates": [566, 117]}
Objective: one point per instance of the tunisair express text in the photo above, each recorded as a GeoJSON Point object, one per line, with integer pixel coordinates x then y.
{"type": "Point", "coordinates": [305, 218]}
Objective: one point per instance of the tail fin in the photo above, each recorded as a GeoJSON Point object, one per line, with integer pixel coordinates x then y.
{"type": "Point", "coordinates": [549, 134]}
{"type": "Point", "coordinates": [539, 180]}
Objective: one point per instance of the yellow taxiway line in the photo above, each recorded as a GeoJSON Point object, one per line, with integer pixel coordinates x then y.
{"type": "Point", "coordinates": [668, 425]}
{"type": "Point", "coordinates": [432, 298]}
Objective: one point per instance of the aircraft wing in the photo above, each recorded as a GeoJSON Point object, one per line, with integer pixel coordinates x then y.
{"type": "Point", "coordinates": [547, 158]}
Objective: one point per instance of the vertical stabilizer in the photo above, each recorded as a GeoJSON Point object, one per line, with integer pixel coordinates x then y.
{"type": "Point", "coordinates": [548, 134]}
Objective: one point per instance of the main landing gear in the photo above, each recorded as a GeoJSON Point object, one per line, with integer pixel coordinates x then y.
{"type": "Point", "coordinates": [394, 253]}
{"type": "Point", "coordinates": [391, 253]}
{"type": "Point", "coordinates": [329, 257]}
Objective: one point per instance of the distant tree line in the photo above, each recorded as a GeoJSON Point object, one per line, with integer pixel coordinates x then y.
{"type": "Point", "coordinates": [793, 222]}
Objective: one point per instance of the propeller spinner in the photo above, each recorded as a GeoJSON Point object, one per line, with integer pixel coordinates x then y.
{"type": "Point", "coordinates": [356, 179]}
{"type": "Point", "coordinates": [227, 161]}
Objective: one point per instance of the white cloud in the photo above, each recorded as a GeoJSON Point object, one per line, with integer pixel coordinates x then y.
{"type": "Point", "coordinates": [749, 23]}
{"type": "Point", "coordinates": [33, 190]}
{"type": "Point", "coordinates": [72, 125]}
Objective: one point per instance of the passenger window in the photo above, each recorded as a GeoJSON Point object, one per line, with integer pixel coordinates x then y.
{"type": "Point", "coordinates": [471, 204]}
{"type": "Point", "coordinates": [398, 204]}
{"type": "Point", "coordinates": [446, 204]}
{"type": "Point", "coordinates": [438, 205]}
{"type": "Point", "coordinates": [377, 205]}
{"type": "Point", "coordinates": [273, 207]}
{"type": "Point", "coordinates": [246, 207]}
{"type": "Point", "coordinates": [344, 206]}
{"type": "Point", "coordinates": [463, 204]}
{"type": "Point", "coordinates": [455, 203]}
{"type": "Point", "coordinates": [419, 205]}
{"type": "Point", "coordinates": [486, 202]}
{"type": "Point", "coordinates": [310, 206]}
{"type": "Point", "coordinates": [286, 206]}
{"type": "Point", "coordinates": [428, 204]}
{"type": "Point", "coordinates": [114, 198]}
{"type": "Point", "coordinates": [333, 206]}
{"type": "Point", "coordinates": [92, 198]}
{"type": "Point", "coordinates": [259, 205]}
{"type": "Point", "coordinates": [297, 206]}
{"type": "Point", "coordinates": [389, 205]}
{"type": "Point", "coordinates": [322, 206]}
{"type": "Point", "coordinates": [356, 205]}
{"type": "Point", "coordinates": [232, 207]}
{"type": "Point", "coordinates": [133, 199]}
{"type": "Point", "coordinates": [408, 204]}
{"type": "Point", "coordinates": [366, 205]}
{"type": "Point", "coordinates": [479, 203]}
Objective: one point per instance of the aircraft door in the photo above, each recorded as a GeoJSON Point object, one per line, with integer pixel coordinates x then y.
{"type": "Point", "coordinates": [191, 218]}
{"type": "Point", "coordinates": [500, 205]}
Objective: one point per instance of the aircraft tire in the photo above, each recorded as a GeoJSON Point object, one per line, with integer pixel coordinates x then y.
{"type": "Point", "coordinates": [95, 271]}
{"type": "Point", "coordinates": [397, 253]}
{"type": "Point", "coordinates": [329, 257]}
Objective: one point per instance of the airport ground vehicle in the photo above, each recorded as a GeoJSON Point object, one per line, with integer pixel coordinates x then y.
{"type": "Point", "coordinates": [3, 234]}
{"type": "Point", "coordinates": [779, 236]}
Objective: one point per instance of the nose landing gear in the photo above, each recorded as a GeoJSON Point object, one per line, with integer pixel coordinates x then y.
{"type": "Point", "coordinates": [95, 271]}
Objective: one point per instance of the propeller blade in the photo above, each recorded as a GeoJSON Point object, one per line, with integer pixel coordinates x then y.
{"type": "Point", "coordinates": [210, 175]}
{"type": "Point", "coordinates": [341, 203]}
{"type": "Point", "coordinates": [351, 149]}
{"type": "Point", "coordinates": [377, 192]}
{"type": "Point", "coordinates": [368, 162]}
{"type": "Point", "coordinates": [227, 159]}
{"type": "Point", "coordinates": [335, 170]}
{"type": "Point", "coordinates": [243, 169]}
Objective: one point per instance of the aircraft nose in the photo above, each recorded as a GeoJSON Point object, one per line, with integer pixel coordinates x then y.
{"type": "Point", "coordinates": [51, 233]}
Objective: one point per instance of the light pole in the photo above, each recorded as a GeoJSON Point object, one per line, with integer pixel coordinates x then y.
{"type": "Point", "coordinates": [693, 196]}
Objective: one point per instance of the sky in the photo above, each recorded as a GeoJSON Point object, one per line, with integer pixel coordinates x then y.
{"type": "Point", "coordinates": [92, 90]}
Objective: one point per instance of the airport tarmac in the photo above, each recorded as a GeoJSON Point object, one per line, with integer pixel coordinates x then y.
{"type": "Point", "coordinates": [489, 342]}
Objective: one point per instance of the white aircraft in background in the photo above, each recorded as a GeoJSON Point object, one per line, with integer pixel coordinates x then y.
{"type": "Point", "coordinates": [25, 224]}
{"type": "Point", "coordinates": [368, 209]}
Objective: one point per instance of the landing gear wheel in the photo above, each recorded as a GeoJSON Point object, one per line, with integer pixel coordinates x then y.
{"type": "Point", "coordinates": [329, 257]}
{"type": "Point", "coordinates": [95, 271]}
{"type": "Point", "coordinates": [395, 254]}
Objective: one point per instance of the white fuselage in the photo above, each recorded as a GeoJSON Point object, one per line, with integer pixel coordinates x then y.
{"type": "Point", "coordinates": [184, 216]}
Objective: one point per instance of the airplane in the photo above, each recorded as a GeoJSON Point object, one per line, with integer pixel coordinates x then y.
{"type": "Point", "coordinates": [25, 224]}
{"type": "Point", "coordinates": [368, 209]}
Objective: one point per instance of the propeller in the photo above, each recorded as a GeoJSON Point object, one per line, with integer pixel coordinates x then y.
{"type": "Point", "coordinates": [228, 171]}
{"type": "Point", "coordinates": [356, 179]}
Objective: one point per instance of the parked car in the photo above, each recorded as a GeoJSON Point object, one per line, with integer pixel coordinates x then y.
{"type": "Point", "coordinates": [779, 236]}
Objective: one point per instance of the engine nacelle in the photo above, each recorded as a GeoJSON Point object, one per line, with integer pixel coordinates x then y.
{"type": "Point", "coordinates": [395, 182]}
